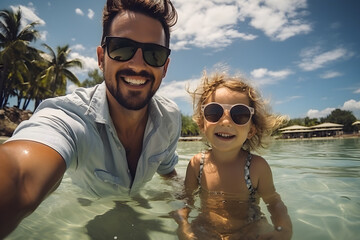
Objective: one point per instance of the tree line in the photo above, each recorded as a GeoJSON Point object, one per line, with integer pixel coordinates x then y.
{"type": "Point", "coordinates": [30, 74]}
{"type": "Point", "coordinates": [338, 116]}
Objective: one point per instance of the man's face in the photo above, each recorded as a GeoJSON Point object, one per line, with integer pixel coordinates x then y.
{"type": "Point", "coordinates": [132, 83]}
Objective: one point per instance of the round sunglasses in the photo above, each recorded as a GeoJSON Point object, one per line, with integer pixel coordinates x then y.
{"type": "Point", "coordinates": [124, 49]}
{"type": "Point", "coordinates": [240, 113]}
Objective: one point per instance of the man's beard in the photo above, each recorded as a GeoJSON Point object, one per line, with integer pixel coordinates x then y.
{"type": "Point", "coordinates": [133, 100]}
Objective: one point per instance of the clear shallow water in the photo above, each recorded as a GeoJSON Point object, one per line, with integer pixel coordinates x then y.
{"type": "Point", "coordinates": [319, 181]}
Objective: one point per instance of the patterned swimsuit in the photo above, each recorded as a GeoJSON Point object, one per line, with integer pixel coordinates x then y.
{"type": "Point", "coordinates": [253, 209]}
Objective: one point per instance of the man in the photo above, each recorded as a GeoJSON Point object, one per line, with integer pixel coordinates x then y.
{"type": "Point", "coordinates": [112, 138]}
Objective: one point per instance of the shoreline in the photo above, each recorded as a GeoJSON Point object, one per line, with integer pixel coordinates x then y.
{"type": "Point", "coordinates": [344, 136]}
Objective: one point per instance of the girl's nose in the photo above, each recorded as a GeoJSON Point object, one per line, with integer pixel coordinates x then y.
{"type": "Point", "coordinates": [225, 119]}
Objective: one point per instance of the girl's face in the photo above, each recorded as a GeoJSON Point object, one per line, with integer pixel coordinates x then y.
{"type": "Point", "coordinates": [225, 135]}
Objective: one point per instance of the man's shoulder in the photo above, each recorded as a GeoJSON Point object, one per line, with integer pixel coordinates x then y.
{"type": "Point", "coordinates": [77, 101]}
{"type": "Point", "coordinates": [166, 104]}
{"type": "Point", "coordinates": [84, 96]}
{"type": "Point", "coordinates": [166, 114]}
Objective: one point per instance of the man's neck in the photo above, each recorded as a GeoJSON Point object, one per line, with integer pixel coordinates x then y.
{"type": "Point", "coordinates": [130, 128]}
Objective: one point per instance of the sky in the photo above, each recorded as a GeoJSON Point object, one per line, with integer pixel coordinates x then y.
{"type": "Point", "coordinates": [302, 55]}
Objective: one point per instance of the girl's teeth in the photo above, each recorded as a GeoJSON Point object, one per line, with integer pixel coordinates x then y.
{"type": "Point", "coordinates": [224, 135]}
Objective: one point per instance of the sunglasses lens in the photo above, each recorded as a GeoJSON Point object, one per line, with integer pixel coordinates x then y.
{"type": "Point", "coordinates": [240, 114]}
{"type": "Point", "coordinates": [123, 49]}
{"type": "Point", "coordinates": [155, 55]}
{"type": "Point", "coordinates": [213, 112]}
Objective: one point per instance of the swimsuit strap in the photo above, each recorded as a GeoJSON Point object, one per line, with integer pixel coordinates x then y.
{"type": "Point", "coordinates": [253, 208]}
{"type": "Point", "coordinates": [201, 166]}
{"type": "Point", "coordinates": [247, 177]}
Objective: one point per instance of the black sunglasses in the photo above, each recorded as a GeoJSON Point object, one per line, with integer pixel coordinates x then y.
{"type": "Point", "coordinates": [123, 49]}
{"type": "Point", "coordinates": [240, 113]}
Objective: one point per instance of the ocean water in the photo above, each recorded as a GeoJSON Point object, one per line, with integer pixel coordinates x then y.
{"type": "Point", "coordinates": [319, 181]}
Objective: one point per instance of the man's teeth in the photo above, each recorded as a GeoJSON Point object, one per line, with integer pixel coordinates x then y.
{"type": "Point", "coordinates": [135, 81]}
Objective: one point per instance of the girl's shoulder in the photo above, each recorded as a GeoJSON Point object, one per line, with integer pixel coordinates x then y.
{"type": "Point", "coordinates": [197, 158]}
{"type": "Point", "coordinates": [259, 163]}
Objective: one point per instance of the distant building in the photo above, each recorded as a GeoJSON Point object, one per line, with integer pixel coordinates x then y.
{"type": "Point", "coordinates": [357, 124]}
{"type": "Point", "coordinates": [321, 130]}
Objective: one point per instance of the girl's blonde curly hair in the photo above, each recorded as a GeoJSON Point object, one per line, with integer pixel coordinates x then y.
{"type": "Point", "coordinates": [264, 121]}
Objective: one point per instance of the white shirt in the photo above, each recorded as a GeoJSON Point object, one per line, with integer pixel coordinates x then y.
{"type": "Point", "coordinates": [79, 127]}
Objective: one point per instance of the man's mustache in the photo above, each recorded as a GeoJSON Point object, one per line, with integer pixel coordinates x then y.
{"type": "Point", "coordinates": [129, 72]}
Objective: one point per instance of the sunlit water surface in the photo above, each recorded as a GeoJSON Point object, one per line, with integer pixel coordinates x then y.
{"type": "Point", "coordinates": [319, 181]}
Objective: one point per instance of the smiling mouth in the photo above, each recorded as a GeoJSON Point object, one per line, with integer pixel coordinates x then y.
{"type": "Point", "coordinates": [224, 135]}
{"type": "Point", "coordinates": [134, 82]}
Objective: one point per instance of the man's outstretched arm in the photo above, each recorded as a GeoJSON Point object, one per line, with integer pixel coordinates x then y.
{"type": "Point", "coordinates": [29, 171]}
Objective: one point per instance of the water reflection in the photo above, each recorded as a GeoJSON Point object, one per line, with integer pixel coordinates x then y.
{"type": "Point", "coordinates": [122, 221]}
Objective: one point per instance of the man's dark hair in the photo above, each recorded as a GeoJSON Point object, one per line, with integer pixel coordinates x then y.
{"type": "Point", "coordinates": [161, 10]}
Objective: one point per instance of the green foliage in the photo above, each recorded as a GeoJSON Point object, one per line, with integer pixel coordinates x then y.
{"type": "Point", "coordinates": [25, 72]}
{"type": "Point", "coordinates": [188, 127]}
{"type": "Point", "coordinates": [342, 117]}
{"type": "Point", "coordinates": [338, 116]}
{"type": "Point", "coordinates": [56, 71]}
{"type": "Point", "coordinates": [308, 122]}
{"type": "Point", "coordinates": [15, 56]}
{"type": "Point", "coordinates": [94, 78]}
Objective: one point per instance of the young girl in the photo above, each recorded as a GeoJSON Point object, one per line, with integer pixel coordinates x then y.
{"type": "Point", "coordinates": [229, 179]}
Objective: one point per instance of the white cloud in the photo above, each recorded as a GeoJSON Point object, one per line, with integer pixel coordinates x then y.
{"type": "Point", "coordinates": [78, 11]}
{"type": "Point", "coordinates": [78, 47]}
{"type": "Point", "coordinates": [314, 113]}
{"type": "Point", "coordinates": [177, 89]}
{"type": "Point", "coordinates": [28, 14]}
{"type": "Point", "coordinates": [313, 58]}
{"type": "Point", "coordinates": [263, 76]}
{"type": "Point", "coordinates": [43, 35]}
{"type": "Point", "coordinates": [206, 23]}
{"type": "Point", "coordinates": [89, 63]}
{"type": "Point", "coordinates": [216, 23]}
{"type": "Point", "coordinates": [357, 91]}
{"type": "Point", "coordinates": [351, 105]}
{"type": "Point", "coordinates": [91, 13]}
{"type": "Point", "coordinates": [278, 19]}
{"type": "Point", "coordinates": [330, 74]}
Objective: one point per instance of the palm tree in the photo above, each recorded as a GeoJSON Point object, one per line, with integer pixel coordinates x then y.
{"type": "Point", "coordinates": [57, 71]}
{"type": "Point", "coordinates": [94, 77]}
{"type": "Point", "coordinates": [16, 54]}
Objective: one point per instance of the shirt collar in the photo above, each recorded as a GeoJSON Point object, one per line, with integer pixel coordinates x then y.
{"type": "Point", "coordinates": [99, 108]}
{"type": "Point", "coordinates": [155, 113]}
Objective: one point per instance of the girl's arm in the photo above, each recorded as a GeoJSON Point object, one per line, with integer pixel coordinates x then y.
{"type": "Point", "coordinates": [191, 184]}
{"type": "Point", "coordinates": [276, 207]}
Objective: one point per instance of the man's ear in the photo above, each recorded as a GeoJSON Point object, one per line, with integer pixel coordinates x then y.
{"type": "Point", "coordinates": [100, 54]}
{"type": "Point", "coordinates": [252, 131]}
{"type": "Point", "coordinates": [165, 67]}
